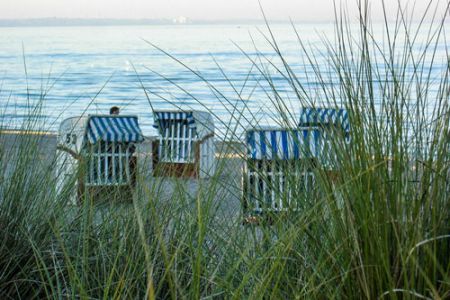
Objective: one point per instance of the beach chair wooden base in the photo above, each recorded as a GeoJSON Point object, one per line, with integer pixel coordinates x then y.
{"type": "Point", "coordinates": [176, 169]}
{"type": "Point", "coordinates": [179, 170]}
{"type": "Point", "coordinates": [334, 176]}
{"type": "Point", "coordinates": [108, 192]}
{"type": "Point", "coordinates": [258, 220]}
{"type": "Point", "coordinates": [266, 218]}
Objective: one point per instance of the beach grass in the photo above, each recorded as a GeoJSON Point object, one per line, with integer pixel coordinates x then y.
{"type": "Point", "coordinates": [379, 228]}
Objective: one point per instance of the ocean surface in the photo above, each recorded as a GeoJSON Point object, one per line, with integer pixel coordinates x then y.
{"type": "Point", "coordinates": [69, 71]}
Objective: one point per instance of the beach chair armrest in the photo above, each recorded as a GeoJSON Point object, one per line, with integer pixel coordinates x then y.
{"type": "Point", "coordinates": [68, 150]}
{"type": "Point", "coordinates": [210, 135]}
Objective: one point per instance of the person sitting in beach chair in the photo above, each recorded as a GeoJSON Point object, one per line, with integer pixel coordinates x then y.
{"type": "Point", "coordinates": [278, 173]}
{"type": "Point", "coordinates": [114, 111]}
{"type": "Point", "coordinates": [185, 144]}
{"type": "Point", "coordinates": [100, 151]}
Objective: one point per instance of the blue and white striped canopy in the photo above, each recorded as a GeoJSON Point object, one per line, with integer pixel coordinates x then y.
{"type": "Point", "coordinates": [161, 119]}
{"type": "Point", "coordinates": [109, 128]}
{"type": "Point", "coordinates": [310, 116]}
{"type": "Point", "coordinates": [284, 144]}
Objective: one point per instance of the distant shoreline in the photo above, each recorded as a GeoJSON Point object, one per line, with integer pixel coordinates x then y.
{"type": "Point", "coordinates": [92, 22]}
{"type": "Point", "coordinates": [62, 22]}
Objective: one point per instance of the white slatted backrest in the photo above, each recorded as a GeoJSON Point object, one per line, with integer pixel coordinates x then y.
{"type": "Point", "coordinates": [109, 164]}
{"type": "Point", "coordinates": [176, 143]}
{"type": "Point", "coordinates": [268, 189]}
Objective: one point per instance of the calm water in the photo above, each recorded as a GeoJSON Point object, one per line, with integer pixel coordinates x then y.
{"type": "Point", "coordinates": [89, 69]}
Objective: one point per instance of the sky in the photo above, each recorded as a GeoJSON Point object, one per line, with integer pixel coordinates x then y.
{"type": "Point", "coordinates": [211, 10]}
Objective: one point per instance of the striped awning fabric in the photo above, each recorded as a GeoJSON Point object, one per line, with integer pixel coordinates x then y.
{"type": "Point", "coordinates": [109, 128]}
{"type": "Point", "coordinates": [200, 123]}
{"type": "Point", "coordinates": [283, 144]}
{"type": "Point", "coordinates": [160, 118]}
{"type": "Point", "coordinates": [310, 116]}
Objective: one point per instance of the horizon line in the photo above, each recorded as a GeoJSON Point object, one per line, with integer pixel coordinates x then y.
{"type": "Point", "coordinates": [180, 20]}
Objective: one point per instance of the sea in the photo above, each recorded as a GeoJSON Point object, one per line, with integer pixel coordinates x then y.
{"type": "Point", "coordinates": [228, 69]}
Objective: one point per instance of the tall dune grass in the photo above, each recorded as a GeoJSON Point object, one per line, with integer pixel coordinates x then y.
{"type": "Point", "coordinates": [380, 228]}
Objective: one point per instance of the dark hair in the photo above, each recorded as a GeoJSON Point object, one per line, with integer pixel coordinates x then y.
{"type": "Point", "coordinates": [114, 110]}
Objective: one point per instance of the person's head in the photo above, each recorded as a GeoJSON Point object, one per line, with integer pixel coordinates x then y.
{"type": "Point", "coordinates": [114, 110]}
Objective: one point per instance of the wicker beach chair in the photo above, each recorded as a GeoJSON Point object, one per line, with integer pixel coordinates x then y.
{"type": "Point", "coordinates": [100, 151]}
{"type": "Point", "coordinates": [185, 144]}
{"type": "Point", "coordinates": [278, 171]}
{"type": "Point", "coordinates": [335, 128]}
{"type": "Point", "coordinates": [331, 120]}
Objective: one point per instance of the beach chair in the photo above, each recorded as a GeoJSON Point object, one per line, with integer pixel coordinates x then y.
{"type": "Point", "coordinates": [100, 152]}
{"type": "Point", "coordinates": [278, 173]}
{"type": "Point", "coordinates": [185, 144]}
{"type": "Point", "coordinates": [335, 129]}
{"type": "Point", "coordinates": [326, 117]}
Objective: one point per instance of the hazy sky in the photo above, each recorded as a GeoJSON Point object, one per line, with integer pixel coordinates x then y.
{"type": "Point", "coordinates": [302, 10]}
